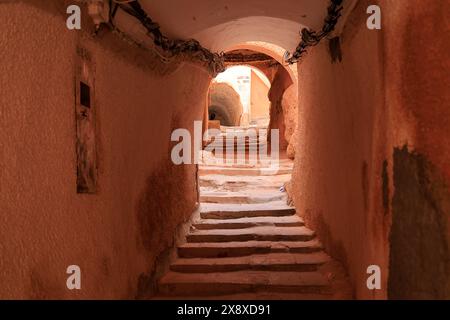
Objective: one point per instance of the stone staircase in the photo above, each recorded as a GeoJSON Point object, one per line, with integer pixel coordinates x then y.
{"type": "Point", "coordinates": [249, 244]}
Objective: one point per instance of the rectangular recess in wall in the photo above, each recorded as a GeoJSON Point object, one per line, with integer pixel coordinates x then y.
{"type": "Point", "coordinates": [85, 124]}
{"type": "Point", "coordinates": [85, 95]}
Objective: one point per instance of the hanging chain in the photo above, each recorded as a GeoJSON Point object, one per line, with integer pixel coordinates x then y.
{"type": "Point", "coordinates": [312, 38]}
{"type": "Point", "coordinates": [216, 61]}
{"type": "Point", "coordinates": [172, 48]}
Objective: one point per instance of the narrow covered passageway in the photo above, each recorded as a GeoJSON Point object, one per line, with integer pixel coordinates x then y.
{"type": "Point", "coordinates": [227, 149]}
{"type": "Point", "coordinates": [246, 241]}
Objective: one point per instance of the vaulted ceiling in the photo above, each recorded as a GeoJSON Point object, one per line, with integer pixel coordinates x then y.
{"type": "Point", "coordinates": [223, 25]}
{"type": "Point", "coordinates": [220, 24]}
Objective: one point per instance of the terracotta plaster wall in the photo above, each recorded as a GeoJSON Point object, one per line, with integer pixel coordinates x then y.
{"type": "Point", "coordinates": [289, 105]}
{"type": "Point", "coordinates": [416, 33]}
{"type": "Point", "coordinates": [260, 104]}
{"type": "Point", "coordinates": [418, 99]}
{"type": "Point", "coordinates": [389, 90]}
{"type": "Point", "coordinates": [117, 235]}
{"type": "Point", "coordinates": [337, 161]}
{"type": "Point", "coordinates": [281, 81]}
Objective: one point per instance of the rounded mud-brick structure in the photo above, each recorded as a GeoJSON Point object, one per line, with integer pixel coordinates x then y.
{"type": "Point", "coordinates": [225, 105]}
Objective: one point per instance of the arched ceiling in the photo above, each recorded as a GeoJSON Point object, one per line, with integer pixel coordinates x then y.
{"type": "Point", "coordinates": [220, 24]}
{"type": "Point", "coordinates": [283, 33]}
{"type": "Point", "coordinates": [268, 26]}
{"type": "Point", "coordinates": [272, 50]}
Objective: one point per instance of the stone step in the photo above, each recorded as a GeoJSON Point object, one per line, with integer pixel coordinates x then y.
{"type": "Point", "coordinates": [240, 143]}
{"type": "Point", "coordinates": [176, 283]}
{"type": "Point", "coordinates": [229, 197]}
{"type": "Point", "coordinates": [222, 149]}
{"type": "Point", "coordinates": [251, 234]}
{"type": "Point", "coordinates": [300, 262]}
{"type": "Point", "coordinates": [260, 296]}
{"type": "Point", "coordinates": [241, 161]}
{"type": "Point", "coordinates": [234, 211]}
{"type": "Point", "coordinates": [241, 223]}
{"type": "Point", "coordinates": [224, 170]}
{"type": "Point", "coordinates": [239, 183]}
{"type": "Point", "coordinates": [262, 161]}
{"type": "Point", "coordinates": [209, 186]}
{"type": "Point", "coordinates": [234, 140]}
{"type": "Point", "coordinates": [239, 249]}
{"type": "Point", "coordinates": [240, 139]}
{"type": "Point", "coordinates": [265, 160]}
{"type": "Point", "coordinates": [249, 191]}
{"type": "Point", "coordinates": [245, 164]}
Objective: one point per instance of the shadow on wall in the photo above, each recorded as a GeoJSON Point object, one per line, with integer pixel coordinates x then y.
{"type": "Point", "coordinates": [280, 83]}
{"type": "Point", "coordinates": [225, 104]}
{"type": "Point", "coordinates": [167, 194]}
{"type": "Point", "coordinates": [166, 202]}
{"type": "Point", "coordinates": [419, 266]}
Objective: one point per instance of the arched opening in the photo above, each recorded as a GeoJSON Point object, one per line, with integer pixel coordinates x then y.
{"type": "Point", "coordinates": [267, 90]}
{"type": "Point", "coordinates": [239, 97]}
{"type": "Point", "coordinates": [225, 105]}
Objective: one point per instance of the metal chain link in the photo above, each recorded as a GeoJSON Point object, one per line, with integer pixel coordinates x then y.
{"type": "Point", "coordinates": [216, 61]}
{"type": "Point", "coordinates": [173, 48]}
{"type": "Point", "coordinates": [312, 38]}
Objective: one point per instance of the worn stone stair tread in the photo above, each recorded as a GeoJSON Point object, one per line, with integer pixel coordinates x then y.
{"type": "Point", "coordinates": [269, 194]}
{"type": "Point", "coordinates": [214, 169]}
{"type": "Point", "coordinates": [225, 197]}
{"type": "Point", "coordinates": [230, 211]}
{"type": "Point", "coordinates": [267, 190]}
{"type": "Point", "coordinates": [271, 262]}
{"type": "Point", "coordinates": [263, 233]}
{"type": "Point", "coordinates": [248, 183]}
{"type": "Point", "coordinates": [261, 161]}
{"type": "Point", "coordinates": [240, 223]}
{"type": "Point", "coordinates": [248, 193]}
{"type": "Point", "coordinates": [245, 171]}
{"type": "Point", "coordinates": [236, 142]}
{"type": "Point", "coordinates": [242, 281]}
{"type": "Point", "coordinates": [221, 161]}
{"type": "Point", "coordinates": [245, 168]}
{"type": "Point", "coordinates": [260, 295]}
{"type": "Point", "coordinates": [247, 179]}
{"type": "Point", "coordinates": [243, 248]}
{"type": "Point", "coordinates": [245, 145]}
{"type": "Point", "coordinates": [248, 164]}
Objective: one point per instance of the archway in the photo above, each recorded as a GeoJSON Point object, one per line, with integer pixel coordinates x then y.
{"type": "Point", "coordinates": [225, 106]}
{"type": "Point", "coordinates": [239, 96]}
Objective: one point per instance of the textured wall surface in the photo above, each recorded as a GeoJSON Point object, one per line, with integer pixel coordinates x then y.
{"type": "Point", "coordinates": [289, 104]}
{"type": "Point", "coordinates": [260, 104]}
{"type": "Point", "coordinates": [417, 63]}
{"type": "Point", "coordinates": [116, 235]}
{"type": "Point", "coordinates": [281, 81]}
{"type": "Point", "coordinates": [419, 266]}
{"type": "Point", "coordinates": [225, 104]}
{"type": "Point", "coordinates": [388, 91]}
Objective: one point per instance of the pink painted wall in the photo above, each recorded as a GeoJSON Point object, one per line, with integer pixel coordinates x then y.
{"type": "Point", "coordinates": [259, 100]}
{"type": "Point", "coordinates": [390, 89]}
{"type": "Point", "coordinates": [116, 235]}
